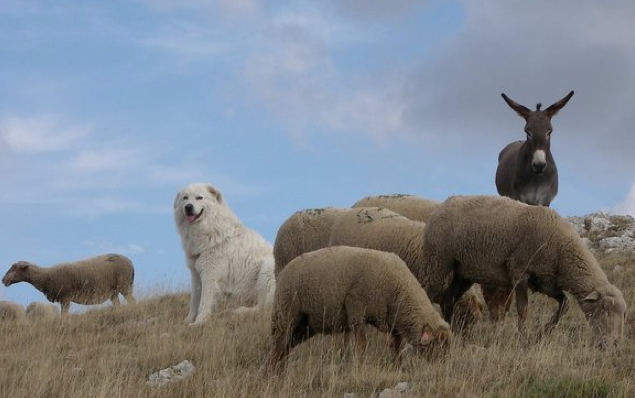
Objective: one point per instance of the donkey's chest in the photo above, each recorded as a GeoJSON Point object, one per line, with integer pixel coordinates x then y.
{"type": "Point", "coordinates": [540, 194]}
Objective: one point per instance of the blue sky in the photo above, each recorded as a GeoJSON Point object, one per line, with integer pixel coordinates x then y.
{"type": "Point", "coordinates": [109, 108]}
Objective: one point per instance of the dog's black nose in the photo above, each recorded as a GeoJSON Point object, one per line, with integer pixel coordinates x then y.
{"type": "Point", "coordinates": [189, 209]}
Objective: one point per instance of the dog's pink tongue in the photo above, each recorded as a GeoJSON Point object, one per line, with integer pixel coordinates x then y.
{"type": "Point", "coordinates": [191, 219]}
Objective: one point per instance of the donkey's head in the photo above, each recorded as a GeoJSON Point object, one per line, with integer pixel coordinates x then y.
{"type": "Point", "coordinates": [538, 129]}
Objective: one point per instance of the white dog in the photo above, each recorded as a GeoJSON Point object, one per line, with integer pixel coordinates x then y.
{"type": "Point", "coordinates": [226, 259]}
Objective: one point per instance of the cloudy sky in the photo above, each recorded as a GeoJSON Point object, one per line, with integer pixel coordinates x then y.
{"type": "Point", "coordinates": [109, 108]}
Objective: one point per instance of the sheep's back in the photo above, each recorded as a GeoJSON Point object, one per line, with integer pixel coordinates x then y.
{"type": "Point", "coordinates": [379, 229]}
{"type": "Point", "coordinates": [410, 206]}
{"type": "Point", "coordinates": [318, 283]}
{"type": "Point", "coordinates": [93, 280]}
{"type": "Point", "coordinates": [304, 231]}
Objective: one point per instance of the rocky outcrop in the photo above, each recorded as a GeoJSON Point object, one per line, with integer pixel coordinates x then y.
{"type": "Point", "coordinates": [603, 231]}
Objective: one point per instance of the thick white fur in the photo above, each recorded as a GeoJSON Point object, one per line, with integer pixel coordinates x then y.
{"type": "Point", "coordinates": [226, 259]}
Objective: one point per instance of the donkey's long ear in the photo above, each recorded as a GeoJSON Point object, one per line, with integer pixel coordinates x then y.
{"type": "Point", "coordinates": [215, 192]}
{"type": "Point", "coordinates": [553, 109]}
{"type": "Point", "coordinates": [522, 111]}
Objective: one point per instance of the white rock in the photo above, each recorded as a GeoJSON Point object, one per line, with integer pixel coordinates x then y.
{"type": "Point", "coordinates": [403, 387]}
{"type": "Point", "coordinates": [388, 393]}
{"type": "Point", "coordinates": [171, 374]}
{"type": "Point", "coordinates": [618, 242]}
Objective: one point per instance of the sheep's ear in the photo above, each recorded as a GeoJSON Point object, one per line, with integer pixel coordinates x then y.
{"type": "Point", "coordinates": [22, 265]}
{"type": "Point", "coordinates": [608, 303]}
{"type": "Point", "coordinates": [426, 336]}
{"type": "Point", "coordinates": [215, 192]}
{"type": "Point", "coordinates": [592, 297]}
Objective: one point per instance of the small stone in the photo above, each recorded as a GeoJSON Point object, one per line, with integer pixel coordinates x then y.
{"type": "Point", "coordinates": [388, 393]}
{"type": "Point", "coordinates": [349, 395]}
{"type": "Point", "coordinates": [403, 387]}
{"type": "Point", "coordinates": [618, 268]}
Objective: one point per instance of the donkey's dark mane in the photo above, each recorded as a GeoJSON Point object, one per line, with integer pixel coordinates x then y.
{"type": "Point", "coordinates": [538, 105]}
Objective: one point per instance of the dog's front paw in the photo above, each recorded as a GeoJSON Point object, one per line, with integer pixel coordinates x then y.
{"type": "Point", "coordinates": [189, 319]}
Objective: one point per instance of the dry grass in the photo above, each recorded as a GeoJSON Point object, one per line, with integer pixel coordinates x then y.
{"type": "Point", "coordinates": [110, 353]}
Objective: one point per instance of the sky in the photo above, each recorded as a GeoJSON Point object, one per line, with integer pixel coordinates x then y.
{"type": "Point", "coordinates": [109, 108]}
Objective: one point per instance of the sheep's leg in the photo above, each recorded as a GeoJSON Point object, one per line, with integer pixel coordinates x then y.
{"type": "Point", "coordinates": [129, 297]}
{"type": "Point", "coordinates": [115, 300]}
{"type": "Point", "coordinates": [360, 342]}
{"type": "Point", "coordinates": [521, 305]}
{"type": "Point", "coordinates": [278, 354]}
{"type": "Point", "coordinates": [395, 344]}
{"type": "Point", "coordinates": [563, 306]}
{"type": "Point", "coordinates": [195, 297]}
{"type": "Point", "coordinates": [458, 286]}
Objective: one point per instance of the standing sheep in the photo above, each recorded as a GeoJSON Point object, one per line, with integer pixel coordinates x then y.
{"type": "Point", "coordinates": [416, 208]}
{"type": "Point", "coordinates": [410, 206]}
{"type": "Point", "coordinates": [382, 229]}
{"type": "Point", "coordinates": [90, 281]}
{"type": "Point", "coordinates": [10, 311]}
{"type": "Point", "coordinates": [38, 312]}
{"type": "Point", "coordinates": [303, 232]}
{"type": "Point", "coordinates": [340, 289]}
{"type": "Point", "coordinates": [501, 242]}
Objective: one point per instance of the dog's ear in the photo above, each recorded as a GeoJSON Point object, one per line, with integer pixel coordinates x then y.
{"type": "Point", "coordinates": [176, 199]}
{"type": "Point", "coordinates": [215, 193]}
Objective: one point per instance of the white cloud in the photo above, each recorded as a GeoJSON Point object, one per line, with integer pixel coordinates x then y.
{"type": "Point", "coordinates": [628, 205]}
{"type": "Point", "coordinates": [188, 42]}
{"type": "Point", "coordinates": [295, 75]}
{"type": "Point", "coordinates": [40, 134]}
{"type": "Point", "coordinates": [110, 247]}
{"type": "Point", "coordinates": [104, 160]}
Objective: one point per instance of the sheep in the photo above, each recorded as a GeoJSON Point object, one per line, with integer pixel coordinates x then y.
{"type": "Point", "coordinates": [410, 206]}
{"type": "Point", "coordinates": [416, 208]}
{"type": "Point", "coordinates": [501, 242]}
{"type": "Point", "coordinates": [11, 311]}
{"type": "Point", "coordinates": [382, 229]}
{"type": "Point", "coordinates": [340, 289]}
{"type": "Point", "coordinates": [90, 281]}
{"type": "Point", "coordinates": [304, 231]}
{"type": "Point", "coordinates": [37, 311]}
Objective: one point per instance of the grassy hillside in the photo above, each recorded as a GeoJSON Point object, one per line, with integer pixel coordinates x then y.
{"type": "Point", "coordinates": [111, 352]}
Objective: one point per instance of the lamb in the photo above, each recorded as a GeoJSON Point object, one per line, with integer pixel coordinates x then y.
{"type": "Point", "coordinates": [340, 289]}
{"type": "Point", "coordinates": [37, 311]}
{"type": "Point", "coordinates": [90, 281]}
{"type": "Point", "coordinates": [305, 231]}
{"type": "Point", "coordinates": [382, 229]}
{"type": "Point", "coordinates": [410, 206]}
{"type": "Point", "coordinates": [11, 311]}
{"type": "Point", "coordinates": [501, 242]}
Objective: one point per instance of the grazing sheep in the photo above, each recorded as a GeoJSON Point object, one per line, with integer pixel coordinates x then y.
{"type": "Point", "coordinates": [410, 206]}
{"type": "Point", "coordinates": [303, 232]}
{"type": "Point", "coordinates": [416, 208]}
{"type": "Point", "coordinates": [10, 311]}
{"type": "Point", "coordinates": [90, 281]}
{"type": "Point", "coordinates": [340, 289]}
{"type": "Point", "coordinates": [37, 311]}
{"type": "Point", "coordinates": [501, 242]}
{"type": "Point", "coordinates": [382, 229]}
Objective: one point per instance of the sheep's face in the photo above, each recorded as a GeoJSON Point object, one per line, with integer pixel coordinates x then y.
{"type": "Point", "coordinates": [434, 343]}
{"type": "Point", "coordinates": [17, 273]}
{"type": "Point", "coordinates": [467, 313]}
{"type": "Point", "coordinates": [191, 204]}
{"type": "Point", "coordinates": [606, 313]}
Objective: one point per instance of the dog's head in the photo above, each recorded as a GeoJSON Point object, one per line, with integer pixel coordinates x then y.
{"type": "Point", "coordinates": [193, 201]}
